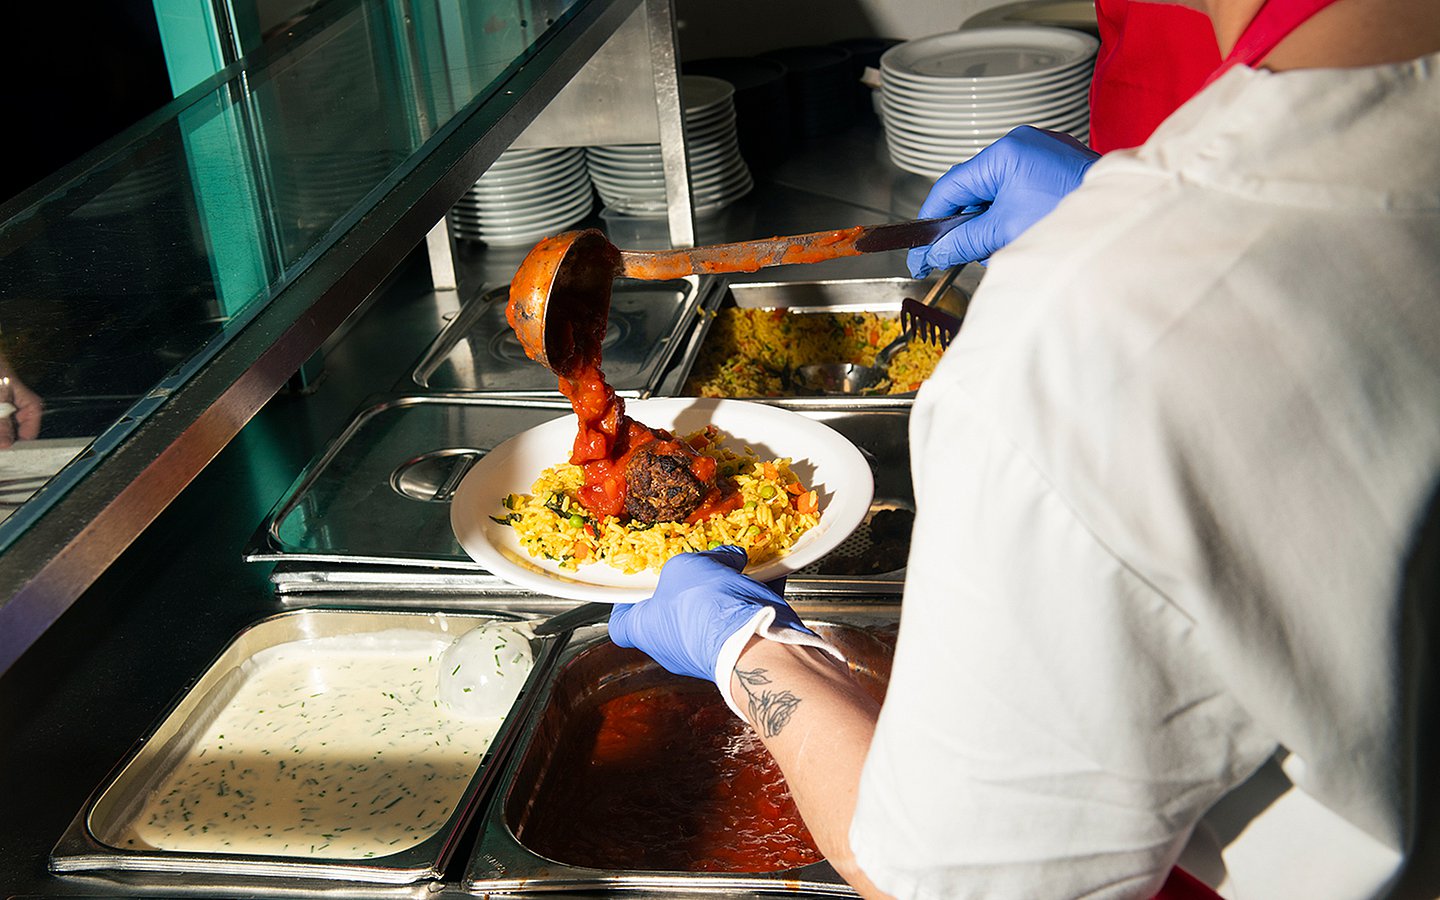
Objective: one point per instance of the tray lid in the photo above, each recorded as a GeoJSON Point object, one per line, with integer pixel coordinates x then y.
{"type": "Point", "coordinates": [381, 492]}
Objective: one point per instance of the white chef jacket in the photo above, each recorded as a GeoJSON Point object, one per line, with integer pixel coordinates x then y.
{"type": "Point", "coordinates": [1171, 478]}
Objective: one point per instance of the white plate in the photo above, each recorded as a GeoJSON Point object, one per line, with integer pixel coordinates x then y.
{"type": "Point", "coordinates": [476, 201]}
{"type": "Point", "coordinates": [943, 127]}
{"type": "Point", "coordinates": [723, 116]}
{"type": "Point", "coordinates": [504, 169]}
{"type": "Point", "coordinates": [940, 139]}
{"type": "Point", "coordinates": [936, 164]}
{"type": "Point", "coordinates": [494, 223]}
{"type": "Point", "coordinates": [527, 181]}
{"type": "Point", "coordinates": [825, 462]}
{"type": "Point", "coordinates": [1073, 85]}
{"type": "Point", "coordinates": [701, 92]}
{"type": "Point", "coordinates": [622, 151]}
{"type": "Point", "coordinates": [538, 194]}
{"type": "Point", "coordinates": [989, 55]}
{"type": "Point", "coordinates": [528, 237]}
{"type": "Point", "coordinates": [700, 167]}
{"type": "Point", "coordinates": [700, 176]}
{"type": "Point", "coordinates": [510, 181]}
{"type": "Point", "coordinates": [522, 218]}
{"type": "Point", "coordinates": [511, 159]}
{"type": "Point", "coordinates": [700, 157]}
{"type": "Point", "coordinates": [551, 220]}
{"type": "Point", "coordinates": [652, 205]}
{"type": "Point", "coordinates": [985, 87]}
{"type": "Point", "coordinates": [959, 104]}
{"type": "Point", "coordinates": [967, 110]}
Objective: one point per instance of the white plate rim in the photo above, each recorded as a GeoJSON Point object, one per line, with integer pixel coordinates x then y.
{"type": "Point", "coordinates": [538, 192]}
{"type": "Point", "coordinates": [549, 223]}
{"type": "Point", "coordinates": [942, 126]}
{"type": "Point", "coordinates": [1076, 84]}
{"type": "Point", "coordinates": [548, 218]}
{"type": "Point", "coordinates": [1076, 47]}
{"type": "Point", "coordinates": [965, 109]}
{"type": "Point", "coordinates": [994, 84]}
{"type": "Point", "coordinates": [521, 178]}
{"type": "Point", "coordinates": [647, 166]}
{"type": "Point", "coordinates": [553, 159]}
{"type": "Point", "coordinates": [700, 92]}
{"type": "Point", "coordinates": [824, 459]}
{"type": "Point", "coordinates": [941, 138]}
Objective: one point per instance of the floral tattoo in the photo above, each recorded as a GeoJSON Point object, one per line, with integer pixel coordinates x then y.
{"type": "Point", "coordinates": [769, 711]}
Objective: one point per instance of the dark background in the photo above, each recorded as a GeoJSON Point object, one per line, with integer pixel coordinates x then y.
{"type": "Point", "coordinates": [75, 75]}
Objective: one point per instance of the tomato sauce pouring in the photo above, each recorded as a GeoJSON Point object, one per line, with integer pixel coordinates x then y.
{"type": "Point", "coordinates": [568, 338]}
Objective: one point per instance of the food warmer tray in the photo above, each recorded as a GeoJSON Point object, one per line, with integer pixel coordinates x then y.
{"type": "Point", "coordinates": [502, 863]}
{"type": "Point", "coordinates": [371, 514]}
{"type": "Point", "coordinates": [96, 846]}
{"type": "Point", "coordinates": [380, 493]}
{"type": "Point", "coordinates": [848, 295]}
{"type": "Point", "coordinates": [650, 324]}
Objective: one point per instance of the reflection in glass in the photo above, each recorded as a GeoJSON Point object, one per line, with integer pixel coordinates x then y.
{"type": "Point", "coordinates": [161, 245]}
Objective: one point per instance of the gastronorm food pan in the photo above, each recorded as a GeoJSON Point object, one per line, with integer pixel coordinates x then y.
{"type": "Point", "coordinates": [626, 777]}
{"type": "Point", "coordinates": [649, 320]}
{"type": "Point", "coordinates": [376, 497]}
{"type": "Point", "coordinates": [380, 493]}
{"type": "Point", "coordinates": [321, 744]}
{"type": "Point", "coordinates": [371, 514]}
{"type": "Point", "coordinates": [760, 364]}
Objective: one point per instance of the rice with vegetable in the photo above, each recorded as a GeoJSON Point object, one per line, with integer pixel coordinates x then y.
{"type": "Point", "coordinates": [777, 510]}
{"type": "Point", "coordinates": [751, 352]}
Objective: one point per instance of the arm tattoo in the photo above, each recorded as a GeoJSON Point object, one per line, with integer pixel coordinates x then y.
{"type": "Point", "coordinates": [769, 711]}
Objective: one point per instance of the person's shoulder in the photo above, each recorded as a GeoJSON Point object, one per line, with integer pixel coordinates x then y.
{"type": "Point", "coordinates": [1091, 287]}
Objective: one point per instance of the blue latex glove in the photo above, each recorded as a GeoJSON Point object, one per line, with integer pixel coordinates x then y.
{"type": "Point", "coordinates": [700, 601]}
{"type": "Point", "coordinates": [1022, 176]}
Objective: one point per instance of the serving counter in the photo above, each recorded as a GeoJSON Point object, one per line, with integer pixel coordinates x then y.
{"type": "Point", "coordinates": [123, 592]}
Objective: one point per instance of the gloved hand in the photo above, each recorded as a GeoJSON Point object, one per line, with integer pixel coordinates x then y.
{"type": "Point", "coordinates": [1022, 176]}
{"type": "Point", "coordinates": [703, 613]}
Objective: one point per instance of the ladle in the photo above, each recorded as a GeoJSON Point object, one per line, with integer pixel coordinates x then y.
{"type": "Point", "coordinates": [560, 295]}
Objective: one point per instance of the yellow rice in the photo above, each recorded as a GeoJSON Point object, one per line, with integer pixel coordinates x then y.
{"type": "Point", "coordinates": [750, 352]}
{"type": "Point", "coordinates": [551, 524]}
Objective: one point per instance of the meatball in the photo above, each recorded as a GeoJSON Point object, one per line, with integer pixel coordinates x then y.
{"type": "Point", "coordinates": [659, 487]}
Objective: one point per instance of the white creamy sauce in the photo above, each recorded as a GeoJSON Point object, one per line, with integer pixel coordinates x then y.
{"type": "Point", "coordinates": [336, 747]}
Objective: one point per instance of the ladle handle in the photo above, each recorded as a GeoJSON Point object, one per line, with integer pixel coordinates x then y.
{"type": "Point", "coordinates": [748, 256]}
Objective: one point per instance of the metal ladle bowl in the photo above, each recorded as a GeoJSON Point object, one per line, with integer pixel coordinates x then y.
{"type": "Point", "coordinates": [838, 378]}
{"type": "Point", "coordinates": [848, 378]}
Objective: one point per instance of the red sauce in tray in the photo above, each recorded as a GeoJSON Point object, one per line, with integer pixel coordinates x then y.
{"type": "Point", "coordinates": [576, 312]}
{"type": "Point", "coordinates": [666, 778]}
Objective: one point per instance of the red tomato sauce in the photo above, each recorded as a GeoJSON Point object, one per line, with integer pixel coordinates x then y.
{"type": "Point", "coordinates": [666, 778]}
{"type": "Point", "coordinates": [606, 437]}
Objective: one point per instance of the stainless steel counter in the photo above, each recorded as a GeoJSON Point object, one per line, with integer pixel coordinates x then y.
{"type": "Point", "coordinates": [72, 706]}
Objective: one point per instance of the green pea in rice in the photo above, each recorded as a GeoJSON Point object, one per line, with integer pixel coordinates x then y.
{"type": "Point", "coordinates": [551, 523]}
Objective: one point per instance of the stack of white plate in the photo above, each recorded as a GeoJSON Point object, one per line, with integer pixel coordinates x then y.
{"type": "Point", "coordinates": [524, 196]}
{"type": "Point", "coordinates": [946, 97]}
{"type": "Point", "coordinates": [631, 177]}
